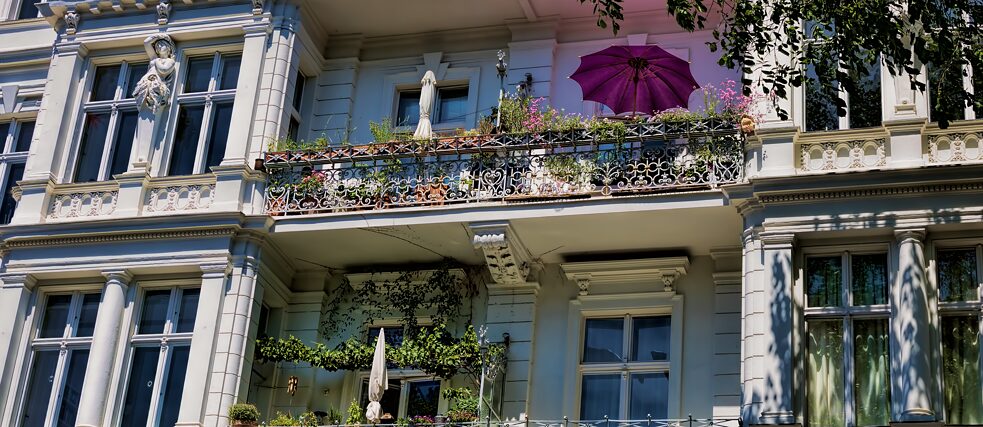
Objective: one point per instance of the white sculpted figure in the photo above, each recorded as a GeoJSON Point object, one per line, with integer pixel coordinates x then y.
{"type": "Point", "coordinates": [154, 89]}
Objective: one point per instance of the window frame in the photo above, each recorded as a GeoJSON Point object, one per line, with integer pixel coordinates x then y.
{"type": "Point", "coordinates": [166, 341]}
{"type": "Point", "coordinates": [206, 99]}
{"type": "Point", "coordinates": [615, 305]}
{"type": "Point", "coordinates": [297, 104]}
{"type": "Point", "coordinates": [435, 108]}
{"type": "Point", "coordinates": [846, 313]}
{"type": "Point", "coordinates": [969, 113]}
{"type": "Point", "coordinates": [953, 308]}
{"type": "Point", "coordinates": [121, 103]}
{"type": "Point", "coordinates": [9, 157]}
{"type": "Point", "coordinates": [64, 344]}
{"type": "Point", "coordinates": [453, 76]}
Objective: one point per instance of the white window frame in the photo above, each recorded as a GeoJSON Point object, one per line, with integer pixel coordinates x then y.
{"type": "Point", "coordinates": [208, 99]}
{"type": "Point", "coordinates": [295, 106]}
{"type": "Point", "coordinates": [9, 157]}
{"type": "Point", "coordinates": [451, 77]}
{"type": "Point", "coordinates": [121, 102]}
{"type": "Point", "coordinates": [14, 11]}
{"type": "Point", "coordinates": [970, 112]}
{"type": "Point", "coordinates": [166, 341]}
{"type": "Point", "coordinates": [64, 343]}
{"type": "Point", "coordinates": [954, 308]}
{"type": "Point", "coordinates": [845, 312]}
{"type": "Point", "coordinates": [617, 305]}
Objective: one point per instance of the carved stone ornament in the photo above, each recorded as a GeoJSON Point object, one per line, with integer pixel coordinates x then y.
{"type": "Point", "coordinates": [163, 12]}
{"type": "Point", "coordinates": [506, 259]}
{"type": "Point", "coordinates": [257, 7]}
{"type": "Point", "coordinates": [153, 91]}
{"type": "Point", "coordinates": [71, 22]}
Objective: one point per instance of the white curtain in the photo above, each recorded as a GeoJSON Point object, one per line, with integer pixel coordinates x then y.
{"type": "Point", "coordinates": [961, 370]}
{"type": "Point", "coordinates": [825, 374]}
{"type": "Point", "coordinates": [872, 372]}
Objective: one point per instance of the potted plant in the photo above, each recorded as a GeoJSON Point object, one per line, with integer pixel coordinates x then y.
{"type": "Point", "coordinates": [282, 419]}
{"type": "Point", "coordinates": [243, 415]}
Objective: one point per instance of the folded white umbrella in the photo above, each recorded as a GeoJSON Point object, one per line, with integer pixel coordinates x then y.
{"type": "Point", "coordinates": [378, 380]}
{"type": "Point", "coordinates": [427, 96]}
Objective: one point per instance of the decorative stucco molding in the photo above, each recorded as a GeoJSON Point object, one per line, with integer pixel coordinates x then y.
{"type": "Point", "coordinates": [176, 198]}
{"type": "Point", "coordinates": [506, 258]}
{"type": "Point", "coordinates": [842, 155]}
{"type": "Point", "coordinates": [955, 148]}
{"type": "Point", "coordinates": [72, 19]}
{"type": "Point", "coordinates": [94, 203]}
{"type": "Point", "coordinates": [26, 242]}
{"type": "Point", "coordinates": [163, 12]}
{"type": "Point", "coordinates": [872, 192]}
{"type": "Point", "coordinates": [645, 271]}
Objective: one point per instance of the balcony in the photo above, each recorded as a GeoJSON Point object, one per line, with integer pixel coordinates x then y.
{"type": "Point", "coordinates": [605, 161]}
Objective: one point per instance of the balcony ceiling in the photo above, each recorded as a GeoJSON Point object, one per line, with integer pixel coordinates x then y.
{"type": "Point", "coordinates": [377, 18]}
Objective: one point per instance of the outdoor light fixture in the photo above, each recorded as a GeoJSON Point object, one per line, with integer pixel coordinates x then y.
{"type": "Point", "coordinates": [292, 384]}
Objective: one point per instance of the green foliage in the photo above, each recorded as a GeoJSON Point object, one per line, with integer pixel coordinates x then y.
{"type": "Point", "coordinates": [384, 131]}
{"type": "Point", "coordinates": [355, 414]}
{"type": "Point", "coordinates": [243, 412]}
{"type": "Point", "coordinates": [464, 404]}
{"type": "Point", "coordinates": [308, 419]}
{"type": "Point", "coordinates": [288, 144]}
{"type": "Point", "coordinates": [569, 168]}
{"type": "Point", "coordinates": [852, 35]}
{"type": "Point", "coordinates": [283, 419]}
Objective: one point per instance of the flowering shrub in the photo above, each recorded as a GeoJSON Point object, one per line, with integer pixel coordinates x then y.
{"type": "Point", "coordinates": [422, 420]}
{"type": "Point", "coordinates": [728, 101]}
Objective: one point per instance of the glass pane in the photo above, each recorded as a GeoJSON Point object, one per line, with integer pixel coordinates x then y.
{"type": "Point", "coordinates": [4, 131]}
{"type": "Point", "coordinates": [825, 383]}
{"type": "Point", "coordinates": [823, 281]}
{"type": "Point", "coordinates": [27, 9]}
{"type": "Point", "coordinates": [9, 204]}
{"type": "Point", "coordinates": [820, 105]}
{"type": "Point", "coordinates": [104, 84]}
{"type": "Point", "coordinates": [453, 105]}
{"type": "Point", "coordinates": [87, 315]}
{"type": "Point", "coordinates": [124, 143]}
{"type": "Point", "coordinates": [39, 387]}
{"type": "Point", "coordinates": [393, 337]}
{"type": "Point", "coordinates": [976, 62]}
{"type": "Point", "coordinates": [422, 399]}
{"type": "Point", "coordinates": [408, 111]}
{"type": "Point", "coordinates": [55, 316]}
{"type": "Point", "coordinates": [299, 84]}
{"type": "Point", "coordinates": [136, 72]}
{"type": "Point", "coordinates": [945, 87]}
{"type": "Point", "coordinates": [199, 75]}
{"type": "Point", "coordinates": [869, 277]}
{"type": "Point", "coordinates": [189, 122]}
{"type": "Point", "coordinates": [872, 374]}
{"type": "Point", "coordinates": [865, 105]}
{"type": "Point", "coordinates": [174, 385]}
{"type": "Point", "coordinates": [389, 402]}
{"type": "Point", "coordinates": [600, 396]}
{"type": "Point", "coordinates": [136, 407]}
{"type": "Point", "coordinates": [650, 339]}
{"type": "Point", "coordinates": [25, 134]}
{"type": "Point", "coordinates": [189, 307]}
{"type": "Point", "coordinates": [649, 396]}
{"type": "Point", "coordinates": [230, 71]}
{"type": "Point", "coordinates": [154, 312]}
{"type": "Point", "coordinates": [604, 340]}
{"type": "Point", "coordinates": [73, 388]}
{"type": "Point", "coordinates": [219, 135]}
{"type": "Point", "coordinates": [90, 150]}
{"type": "Point", "coordinates": [961, 370]}
{"type": "Point", "coordinates": [957, 275]}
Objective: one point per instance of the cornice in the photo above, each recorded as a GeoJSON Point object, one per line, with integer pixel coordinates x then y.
{"type": "Point", "coordinates": [28, 242]}
{"type": "Point", "coordinates": [809, 196]}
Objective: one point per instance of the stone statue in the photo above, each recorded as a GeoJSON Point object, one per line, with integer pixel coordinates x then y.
{"type": "Point", "coordinates": [153, 91]}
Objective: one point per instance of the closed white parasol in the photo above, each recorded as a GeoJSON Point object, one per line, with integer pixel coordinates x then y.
{"type": "Point", "coordinates": [378, 380]}
{"type": "Point", "coordinates": [427, 96]}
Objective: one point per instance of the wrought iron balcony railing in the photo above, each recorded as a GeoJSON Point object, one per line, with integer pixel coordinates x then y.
{"type": "Point", "coordinates": [580, 163]}
{"type": "Point", "coordinates": [648, 422]}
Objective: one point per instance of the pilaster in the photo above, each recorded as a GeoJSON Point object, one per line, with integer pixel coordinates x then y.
{"type": "Point", "coordinates": [105, 339]}
{"type": "Point", "coordinates": [247, 92]}
{"type": "Point", "coordinates": [15, 299]}
{"type": "Point", "coordinates": [278, 81]}
{"type": "Point", "coordinates": [914, 379]}
{"type": "Point", "coordinates": [198, 379]}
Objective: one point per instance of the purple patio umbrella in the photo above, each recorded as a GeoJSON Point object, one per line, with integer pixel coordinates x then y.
{"type": "Point", "coordinates": [637, 79]}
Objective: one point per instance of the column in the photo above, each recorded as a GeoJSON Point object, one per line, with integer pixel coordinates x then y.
{"type": "Point", "coordinates": [227, 384]}
{"type": "Point", "coordinates": [727, 333]}
{"type": "Point", "coordinates": [911, 331]}
{"type": "Point", "coordinates": [234, 177]}
{"type": "Point", "coordinates": [767, 363]}
{"type": "Point", "coordinates": [102, 353]}
{"type": "Point", "coordinates": [54, 126]}
{"type": "Point", "coordinates": [15, 295]}
{"type": "Point", "coordinates": [276, 88]}
{"type": "Point", "coordinates": [196, 383]}
{"type": "Point", "coordinates": [512, 310]}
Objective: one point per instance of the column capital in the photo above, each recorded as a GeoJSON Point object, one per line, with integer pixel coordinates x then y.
{"type": "Point", "coordinates": [18, 280]}
{"type": "Point", "coordinates": [907, 234]}
{"type": "Point", "coordinates": [257, 29]}
{"type": "Point", "coordinates": [777, 240]}
{"type": "Point", "coordinates": [214, 270]}
{"type": "Point", "coordinates": [506, 257]}
{"type": "Point", "coordinates": [121, 276]}
{"type": "Point", "coordinates": [71, 48]}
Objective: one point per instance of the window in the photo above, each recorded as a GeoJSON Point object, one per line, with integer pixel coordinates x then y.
{"type": "Point", "coordinates": [410, 393]}
{"type": "Point", "coordinates": [625, 368]}
{"type": "Point", "coordinates": [957, 273]}
{"type": "Point", "coordinates": [847, 345]}
{"type": "Point", "coordinates": [204, 113]}
{"type": "Point", "coordinates": [59, 354]}
{"type": "Point", "coordinates": [159, 357]}
{"type": "Point", "coordinates": [15, 141]}
{"type": "Point", "coordinates": [28, 10]}
{"type": "Point", "coordinates": [945, 86]}
{"type": "Point", "coordinates": [293, 129]}
{"type": "Point", "coordinates": [109, 123]}
{"type": "Point", "coordinates": [450, 106]}
{"type": "Point", "coordinates": [863, 107]}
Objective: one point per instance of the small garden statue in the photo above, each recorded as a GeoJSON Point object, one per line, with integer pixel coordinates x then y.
{"type": "Point", "coordinates": [153, 91]}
